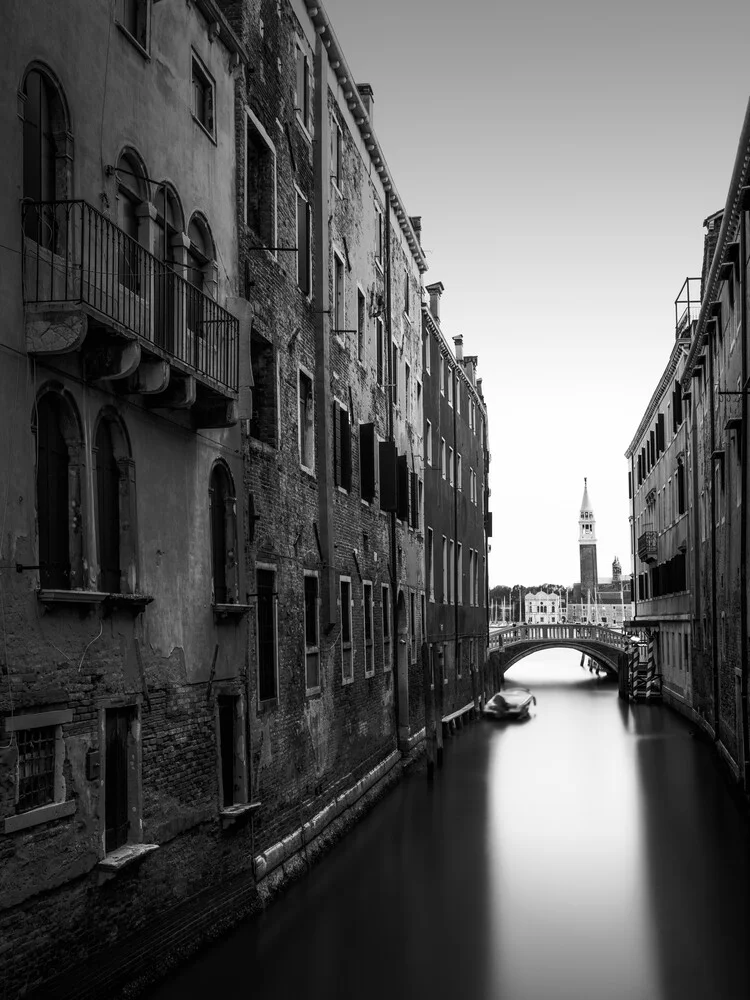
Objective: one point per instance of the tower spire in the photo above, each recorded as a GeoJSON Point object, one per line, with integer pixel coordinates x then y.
{"type": "Point", "coordinates": [587, 546]}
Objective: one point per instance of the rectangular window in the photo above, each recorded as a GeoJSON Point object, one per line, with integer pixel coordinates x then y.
{"type": "Point", "coordinates": [444, 556]}
{"type": "Point", "coordinates": [414, 500]}
{"type": "Point", "coordinates": [369, 629]}
{"type": "Point", "coordinates": [459, 472]}
{"type": "Point", "coordinates": [459, 654]}
{"type": "Point", "coordinates": [306, 429]}
{"type": "Point", "coordinates": [406, 294]}
{"type": "Point", "coordinates": [367, 470]}
{"type": "Point", "coordinates": [347, 648]}
{"type": "Point", "coordinates": [262, 361]}
{"type": "Point", "coordinates": [312, 635]}
{"type": "Point", "coordinates": [451, 569]}
{"type": "Point", "coordinates": [380, 349]}
{"type": "Point", "coordinates": [428, 443]}
{"type": "Point", "coordinates": [394, 374]}
{"type": "Point", "coordinates": [430, 564]}
{"type": "Point", "coordinates": [361, 325]}
{"type": "Point", "coordinates": [413, 626]}
{"type": "Point", "coordinates": [449, 387]}
{"type": "Point", "coordinates": [342, 447]}
{"type": "Point", "coordinates": [203, 97]}
{"type": "Point", "coordinates": [402, 489]}
{"type": "Point", "coordinates": [423, 618]}
{"type": "Point", "coordinates": [379, 238]}
{"type": "Point", "coordinates": [441, 378]}
{"type": "Point", "coordinates": [460, 574]}
{"type": "Point", "coordinates": [443, 458]}
{"type": "Point", "coordinates": [260, 183]}
{"type": "Point", "coordinates": [134, 18]}
{"type": "Point", "coordinates": [302, 95]}
{"type": "Point", "coordinates": [477, 601]}
{"type": "Point", "coordinates": [303, 244]}
{"type": "Point", "coordinates": [471, 577]}
{"type": "Point", "coordinates": [450, 466]}
{"type": "Point", "coordinates": [231, 750]}
{"type": "Point", "coordinates": [339, 310]}
{"type": "Point", "coordinates": [386, 614]}
{"type": "Point", "coordinates": [336, 153]}
{"type": "Point", "coordinates": [426, 348]}
{"type": "Point", "coordinates": [119, 764]}
{"type": "Point", "coordinates": [407, 390]}
{"type": "Point", "coordinates": [36, 767]}
{"type": "Point", "coordinates": [267, 633]}
{"type": "Point", "coordinates": [458, 395]}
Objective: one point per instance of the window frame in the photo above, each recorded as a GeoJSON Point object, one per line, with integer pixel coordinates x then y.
{"type": "Point", "coordinates": [264, 567]}
{"type": "Point", "coordinates": [339, 294]}
{"type": "Point", "coordinates": [301, 198]}
{"type": "Point", "coordinates": [361, 324]}
{"type": "Point", "coordinates": [142, 45]}
{"type": "Point", "coordinates": [379, 238]}
{"type": "Point", "coordinates": [251, 121]}
{"type": "Point", "coordinates": [58, 806]}
{"type": "Point", "coordinates": [346, 647]}
{"type": "Point", "coordinates": [303, 102]}
{"type": "Point", "coordinates": [238, 746]}
{"type": "Point", "coordinates": [311, 651]}
{"type": "Point", "coordinates": [209, 83]}
{"type": "Point", "coordinates": [368, 645]}
{"type": "Point", "coordinates": [303, 372]}
{"type": "Point", "coordinates": [386, 621]}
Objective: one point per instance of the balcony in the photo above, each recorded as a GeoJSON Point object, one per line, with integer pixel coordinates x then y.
{"type": "Point", "coordinates": [647, 547]}
{"type": "Point", "coordinates": [687, 307]}
{"type": "Point", "coordinates": [89, 287]}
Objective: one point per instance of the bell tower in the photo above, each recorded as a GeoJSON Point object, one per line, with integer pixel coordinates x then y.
{"type": "Point", "coordinates": [587, 549]}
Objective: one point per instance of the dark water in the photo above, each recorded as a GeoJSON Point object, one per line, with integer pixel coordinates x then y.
{"type": "Point", "coordinates": [591, 853]}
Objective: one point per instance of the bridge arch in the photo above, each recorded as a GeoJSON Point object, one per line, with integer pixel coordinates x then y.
{"type": "Point", "coordinates": [609, 648]}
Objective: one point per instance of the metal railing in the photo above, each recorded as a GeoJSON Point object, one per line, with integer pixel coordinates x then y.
{"type": "Point", "coordinates": [647, 548]}
{"type": "Point", "coordinates": [75, 254]}
{"type": "Point", "coordinates": [570, 632]}
{"type": "Point", "coordinates": [687, 307]}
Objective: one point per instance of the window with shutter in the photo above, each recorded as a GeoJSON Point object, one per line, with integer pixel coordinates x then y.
{"type": "Point", "coordinates": [414, 481]}
{"type": "Point", "coordinates": [388, 484]}
{"type": "Point", "coordinates": [367, 461]}
{"type": "Point", "coordinates": [346, 450]}
{"type": "Point", "coordinates": [402, 508]}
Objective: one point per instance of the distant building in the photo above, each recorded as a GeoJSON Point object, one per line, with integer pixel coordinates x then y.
{"type": "Point", "coordinates": [542, 608]}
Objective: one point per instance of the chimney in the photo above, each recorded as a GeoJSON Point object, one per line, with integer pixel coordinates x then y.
{"type": "Point", "coordinates": [712, 225]}
{"type": "Point", "coordinates": [365, 92]}
{"type": "Point", "coordinates": [479, 388]}
{"type": "Point", "coordinates": [416, 225]}
{"type": "Point", "coordinates": [459, 342]}
{"type": "Point", "coordinates": [435, 291]}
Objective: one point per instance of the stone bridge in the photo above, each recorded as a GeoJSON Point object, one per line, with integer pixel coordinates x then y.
{"type": "Point", "coordinates": [608, 647]}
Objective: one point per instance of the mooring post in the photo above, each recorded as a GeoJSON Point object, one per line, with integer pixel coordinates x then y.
{"type": "Point", "coordinates": [429, 708]}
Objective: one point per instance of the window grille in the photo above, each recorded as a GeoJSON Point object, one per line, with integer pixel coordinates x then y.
{"type": "Point", "coordinates": [36, 767]}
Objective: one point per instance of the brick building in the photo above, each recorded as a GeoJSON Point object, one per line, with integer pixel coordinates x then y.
{"type": "Point", "coordinates": [457, 521]}
{"type": "Point", "coordinates": [691, 540]}
{"type": "Point", "coordinates": [124, 713]}
{"type": "Point", "coordinates": [659, 481]}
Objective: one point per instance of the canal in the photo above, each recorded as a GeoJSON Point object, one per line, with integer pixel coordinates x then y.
{"type": "Point", "coordinates": [590, 853]}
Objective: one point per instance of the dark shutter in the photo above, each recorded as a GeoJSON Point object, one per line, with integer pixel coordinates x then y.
{"type": "Point", "coordinates": [336, 446]}
{"type": "Point", "coordinates": [108, 510]}
{"type": "Point", "coordinates": [116, 778]}
{"type": "Point", "coordinates": [388, 488]}
{"type": "Point", "coordinates": [345, 435]}
{"type": "Point", "coordinates": [226, 743]}
{"type": "Point", "coordinates": [488, 523]}
{"type": "Point", "coordinates": [414, 482]}
{"type": "Point", "coordinates": [266, 636]}
{"type": "Point", "coordinates": [52, 498]}
{"type": "Point", "coordinates": [217, 498]}
{"type": "Point", "coordinates": [630, 486]}
{"type": "Point", "coordinates": [379, 327]}
{"type": "Point", "coordinates": [677, 404]}
{"type": "Point", "coordinates": [660, 432]}
{"type": "Point", "coordinates": [367, 460]}
{"type": "Point", "coordinates": [402, 507]}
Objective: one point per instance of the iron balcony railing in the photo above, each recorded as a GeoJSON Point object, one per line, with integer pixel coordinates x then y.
{"type": "Point", "coordinates": [647, 546]}
{"type": "Point", "coordinates": [687, 307]}
{"type": "Point", "coordinates": [75, 254]}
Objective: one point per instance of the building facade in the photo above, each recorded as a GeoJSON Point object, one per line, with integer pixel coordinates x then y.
{"type": "Point", "coordinates": [659, 457]}
{"type": "Point", "coordinates": [543, 608]}
{"type": "Point", "coordinates": [124, 693]}
{"type": "Point", "coordinates": [456, 517]}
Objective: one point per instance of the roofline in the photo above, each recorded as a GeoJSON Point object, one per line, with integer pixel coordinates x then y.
{"type": "Point", "coordinates": [678, 349]}
{"type": "Point", "coordinates": [728, 224]}
{"type": "Point", "coordinates": [435, 327]}
{"type": "Point", "coordinates": [322, 23]}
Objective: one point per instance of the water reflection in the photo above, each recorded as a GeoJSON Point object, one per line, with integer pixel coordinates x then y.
{"type": "Point", "coordinates": [592, 853]}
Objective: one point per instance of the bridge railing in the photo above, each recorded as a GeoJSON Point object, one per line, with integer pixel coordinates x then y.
{"type": "Point", "coordinates": [511, 635]}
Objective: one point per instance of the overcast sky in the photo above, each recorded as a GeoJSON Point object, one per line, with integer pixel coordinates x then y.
{"type": "Point", "coordinates": [563, 157]}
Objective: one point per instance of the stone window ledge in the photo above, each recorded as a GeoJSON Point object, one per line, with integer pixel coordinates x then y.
{"type": "Point", "coordinates": [230, 814]}
{"type": "Point", "coordinates": [71, 596]}
{"type": "Point", "coordinates": [230, 610]}
{"type": "Point", "coordinates": [124, 856]}
{"type": "Point", "coordinates": [43, 814]}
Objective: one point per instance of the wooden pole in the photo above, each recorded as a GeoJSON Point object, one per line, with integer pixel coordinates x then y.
{"type": "Point", "coordinates": [429, 709]}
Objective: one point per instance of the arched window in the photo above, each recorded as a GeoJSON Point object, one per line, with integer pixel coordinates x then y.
{"type": "Point", "coordinates": [115, 507]}
{"type": "Point", "coordinates": [223, 516]}
{"type": "Point", "coordinates": [200, 274]}
{"type": "Point", "coordinates": [45, 161]}
{"type": "Point", "coordinates": [58, 492]}
{"type": "Point", "coordinates": [169, 224]}
{"type": "Point", "coordinates": [131, 193]}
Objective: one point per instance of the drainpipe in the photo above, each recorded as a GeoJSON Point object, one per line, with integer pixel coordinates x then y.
{"type": "Point", "coordinates": [323, 440]}
{"type": "Point", "coordinates": [391, 437]}
{"type": "Point", "coordinates": [743, 516]}
{"type": "Point", "coordinates": [455, 521]}
{"type": "Point", "coordinates": [714, 615]}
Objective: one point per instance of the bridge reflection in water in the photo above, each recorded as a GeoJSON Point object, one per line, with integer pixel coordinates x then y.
{"type": "Point", "coordinates": [591, 853]}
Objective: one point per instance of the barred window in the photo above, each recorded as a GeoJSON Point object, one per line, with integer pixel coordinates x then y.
{"type": "Point", "coordinates": [36, 767]}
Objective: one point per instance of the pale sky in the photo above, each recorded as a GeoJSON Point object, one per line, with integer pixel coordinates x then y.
{"type": "Point", "coordinates": [563, 157]}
